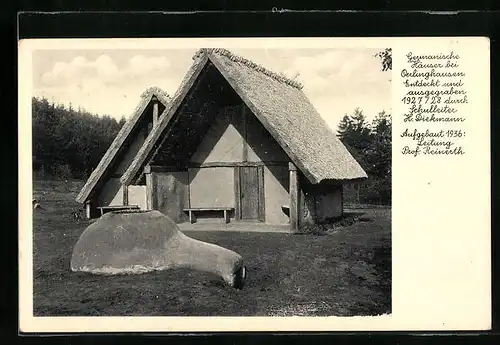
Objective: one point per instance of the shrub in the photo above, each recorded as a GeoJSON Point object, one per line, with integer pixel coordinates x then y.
{"type": "Point", "coordinates": [328, 226]}
{"type": "Point", "coordinates": [62, 171]}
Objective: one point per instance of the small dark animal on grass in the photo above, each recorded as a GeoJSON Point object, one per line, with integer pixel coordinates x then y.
{"type": "Point", "coordinates": [36, 205]}
{"type": "Point", "coordinates": [77, 215]}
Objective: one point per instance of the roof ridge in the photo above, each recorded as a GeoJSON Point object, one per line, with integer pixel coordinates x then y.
{"type": "Point", "coordinates": [156, 91]}
{"type": "Point", "coordinates": [250, 64]}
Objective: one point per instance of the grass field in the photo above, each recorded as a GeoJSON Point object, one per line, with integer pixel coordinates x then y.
{"type": "Point", "coordinates": [345, 273]}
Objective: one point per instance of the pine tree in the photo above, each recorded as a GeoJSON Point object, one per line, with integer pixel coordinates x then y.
{"type": "Point", "coordinates": [345, 127]}
{"type": "Point", "coordinates": [354, 132]}
{"type": "Point", "coordinates": [371, 146]}
{"type": "Point", "coordinates": [122, 121]}
{"type": "Point", "coordinates": [379, 153]}
{"type": "Point", "coordinates": [361, 134]}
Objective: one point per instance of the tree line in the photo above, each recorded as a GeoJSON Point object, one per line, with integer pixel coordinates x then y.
{"type": "Point", "coordinates": [67, 142]}
{"type": "Point", "coordinates": [371, 145]}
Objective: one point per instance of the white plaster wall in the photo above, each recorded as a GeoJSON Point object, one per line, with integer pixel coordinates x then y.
{"type": "Point", "coordinates": [211, 187]}
{"type": "Point", "coordinates": [222, 143]}
{"type": "Point", "coordinates": [275, 196]}
{"type": "Point", "coordinates": [137, 196]}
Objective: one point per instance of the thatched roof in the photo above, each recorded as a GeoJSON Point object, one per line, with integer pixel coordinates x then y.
{"type": "Point", "coordinates": [280, 105]}
{"type": "Point", "coordinates": [156, 91]}
{"type": "Point", "coordinates": [125, 132]}
{"type": "Point", "coordinates": [248, 63]}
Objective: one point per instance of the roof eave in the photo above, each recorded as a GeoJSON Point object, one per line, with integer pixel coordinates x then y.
{"type": "Point", "coordinates": [344, 180]}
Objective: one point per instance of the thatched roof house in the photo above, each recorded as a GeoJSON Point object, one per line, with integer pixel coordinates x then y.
{"type": "Point", "coordinates": [123, 149]}
{"type": "Point", "coordinates": [240, 139]}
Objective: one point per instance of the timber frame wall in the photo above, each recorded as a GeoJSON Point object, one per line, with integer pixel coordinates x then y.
{"type": "Point", "coordinates": [150, 188]}
{"type": "Point", "coordinates": [294, 188]}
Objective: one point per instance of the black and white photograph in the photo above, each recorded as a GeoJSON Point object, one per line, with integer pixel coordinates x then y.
{"type": "Point", "coordinates": [212, 181]}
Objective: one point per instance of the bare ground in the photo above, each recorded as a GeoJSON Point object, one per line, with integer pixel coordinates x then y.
{"type": "Point", "coordinates": [345, 273]}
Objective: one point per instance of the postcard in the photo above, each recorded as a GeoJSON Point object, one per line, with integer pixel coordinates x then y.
{"type": "Point", "coordinates": [263, 184]}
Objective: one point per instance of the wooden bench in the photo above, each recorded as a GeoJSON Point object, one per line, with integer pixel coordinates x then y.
{"type": "Point", "coordinates": [192, 217]}
{"type": "Point", "coordinates": [105, 209]}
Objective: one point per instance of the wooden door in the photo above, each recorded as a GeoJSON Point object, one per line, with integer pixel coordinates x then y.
{"type": "Point", "coordinates": [251, 193]}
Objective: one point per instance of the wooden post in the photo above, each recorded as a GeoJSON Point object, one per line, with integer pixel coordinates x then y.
{"type": "Point", "coordinates": [262, 196]}
{"type": "Point", "coordinates": [150, 188]}
{"type": "Point", "coordinates": [155, 113]}
{"type": "Point", "coordinates": [149, 191]}
{"type": "Point", "coordinates": [245, 135]}
{"type": "Point", "coordinates": [125, 194]}
{"type": "Point", "coordinates": [192, 218]}
{"type": "Point", "coordinates": [87, 209]}
{"type": "Point", "coordinates": [294, 197]}
{"type": "Point", "coordinates": [237, 194]}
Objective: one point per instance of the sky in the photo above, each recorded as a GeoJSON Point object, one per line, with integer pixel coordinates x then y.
{"type": "Point", "coordinates": [110, 82]}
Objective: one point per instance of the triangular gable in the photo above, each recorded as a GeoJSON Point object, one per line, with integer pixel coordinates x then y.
{"type": "Point", "coordinates": [281, 107]}
{"type": "Point", "coordinates": [125, 132]}
{"type": "Point", "coordinates": [152, 140]}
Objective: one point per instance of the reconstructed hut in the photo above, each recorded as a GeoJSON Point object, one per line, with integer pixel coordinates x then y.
{"type": "Point", "coordinates": [240, 142]}
{"type": "Point", "coordinates": [103, 190]}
